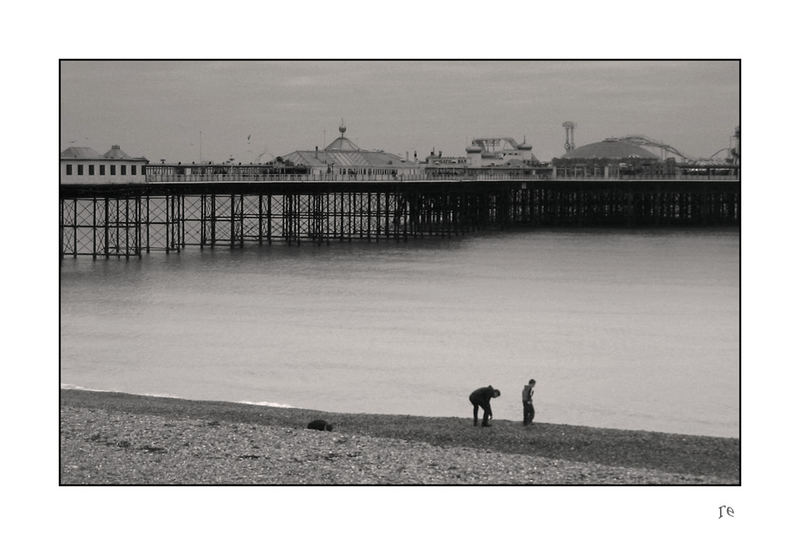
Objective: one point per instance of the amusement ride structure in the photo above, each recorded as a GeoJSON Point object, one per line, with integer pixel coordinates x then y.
{"type": "Point", "coordinates": [665, 149]}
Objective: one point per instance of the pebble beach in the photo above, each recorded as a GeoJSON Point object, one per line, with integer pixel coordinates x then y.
{"type": "Point", "coordinates": [111, 438]}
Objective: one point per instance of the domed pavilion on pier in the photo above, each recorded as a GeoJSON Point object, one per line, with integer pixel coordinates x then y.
{"type": "Point", "coordinates": [344, 158]}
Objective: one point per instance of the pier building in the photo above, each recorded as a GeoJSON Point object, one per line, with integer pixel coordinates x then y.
{"type": "Point", "coordinates": [83, 165]}
{"type": "Point", "coordinates": [438, 159]}
{"type": "Point", "coordinates": [499, 151]}
{"type": "Point", "coordinates": [609, 158]}
{"type": "Point", "coordinates": [343, 157]}
{"type": "Point", "coordinates": [610, 148]}
{"type": "Point", "coordinates": [627, 158]}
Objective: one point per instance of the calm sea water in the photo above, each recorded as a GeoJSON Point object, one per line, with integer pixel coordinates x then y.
{"type": "Point", "coordinates": [635, 330]}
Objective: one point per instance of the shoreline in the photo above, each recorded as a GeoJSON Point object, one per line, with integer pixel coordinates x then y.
{"type": "Point", "coordinates": [269, 404]}
{"type": "Point", "coordinates": [117, 438]}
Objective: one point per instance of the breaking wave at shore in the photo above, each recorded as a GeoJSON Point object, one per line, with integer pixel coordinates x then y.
{"type": "Point", "coordinates": [268, 404]}
{"type": "Point", "coordinates": [171, 396]}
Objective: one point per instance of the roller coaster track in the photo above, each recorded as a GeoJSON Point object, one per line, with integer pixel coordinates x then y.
{"type": "Point", "coordinates": [729, 150]}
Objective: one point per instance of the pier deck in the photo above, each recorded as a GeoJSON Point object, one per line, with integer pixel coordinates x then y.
{"type": "Point", "coordinates": [127, 220]}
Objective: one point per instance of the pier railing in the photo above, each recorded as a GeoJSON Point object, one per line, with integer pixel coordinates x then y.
{"type": "Point", "coordinates": [221, 178]}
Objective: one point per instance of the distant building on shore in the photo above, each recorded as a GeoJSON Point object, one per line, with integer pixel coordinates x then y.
{"type": "Point", "coordinates": [83, 165]}
{"type": "Point", "coordinates": [343, 157]}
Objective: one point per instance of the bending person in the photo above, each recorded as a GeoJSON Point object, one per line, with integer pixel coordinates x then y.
{"type": "Point", "coordinates": [482, 398]}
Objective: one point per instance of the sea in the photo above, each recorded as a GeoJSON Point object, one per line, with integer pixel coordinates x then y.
{"type": "Point", "coordinates": [630, 329]}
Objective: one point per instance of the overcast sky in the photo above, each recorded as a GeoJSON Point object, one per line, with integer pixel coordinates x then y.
{"type": "Point", "coordinates": [158, 109]}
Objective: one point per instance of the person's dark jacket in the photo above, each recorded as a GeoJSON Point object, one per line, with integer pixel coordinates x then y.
{"type": "Point", "coordinates": [482, 396]}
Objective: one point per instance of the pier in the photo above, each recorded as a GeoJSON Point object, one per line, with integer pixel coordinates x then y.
{"type": "Point", "coordinates": [128, 220]}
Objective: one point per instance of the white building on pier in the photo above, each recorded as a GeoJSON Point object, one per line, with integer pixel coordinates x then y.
{"type": "Point", "coordinates": [83, 165]}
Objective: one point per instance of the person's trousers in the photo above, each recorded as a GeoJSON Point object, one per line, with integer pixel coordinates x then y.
{"type": "Point", "coordinates": [527, 412]}
{"type": "Point", "coordinates": [486, 411]}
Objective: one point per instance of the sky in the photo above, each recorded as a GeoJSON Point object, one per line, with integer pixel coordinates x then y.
{"type": "Point", "coordinates": [216, 109]}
